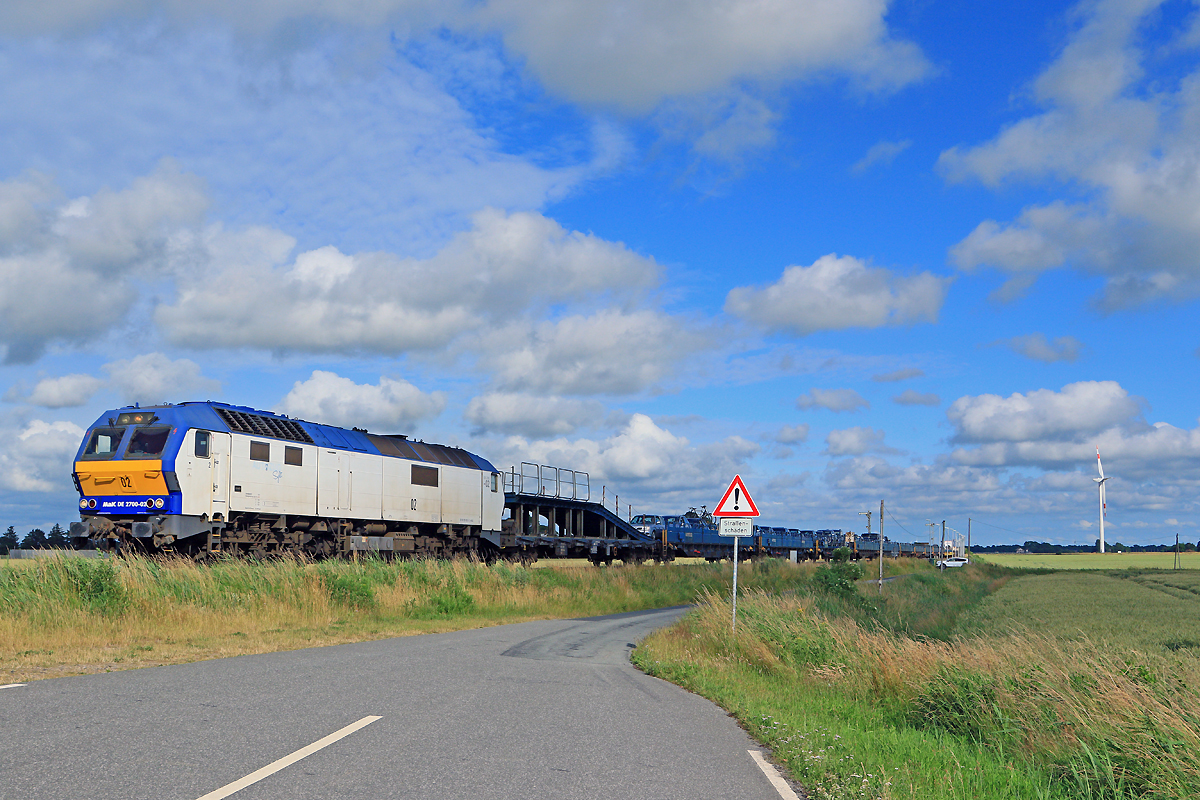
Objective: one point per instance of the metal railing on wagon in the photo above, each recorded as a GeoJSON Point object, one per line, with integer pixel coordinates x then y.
{"type": "Point", "coordinates": [546, 481]}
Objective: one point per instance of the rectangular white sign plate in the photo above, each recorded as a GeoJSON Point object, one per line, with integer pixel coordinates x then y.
{"type": "Point", "coordinates": [736, 526]}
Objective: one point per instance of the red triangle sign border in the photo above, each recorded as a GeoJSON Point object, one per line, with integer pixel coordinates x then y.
{"type": "Point", "coordinates": [742, 498]}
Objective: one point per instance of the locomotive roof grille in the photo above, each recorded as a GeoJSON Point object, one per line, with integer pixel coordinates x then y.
{"type": "Point", "coordinates": [259, 425]}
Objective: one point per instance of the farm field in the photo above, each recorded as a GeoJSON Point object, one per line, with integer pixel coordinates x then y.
{"type": "Point", "coordinates": [1091, 560]}
{"type": "Point", "coordinates": [1150, 612]}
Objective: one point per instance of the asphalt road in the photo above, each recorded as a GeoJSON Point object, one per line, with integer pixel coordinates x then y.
{"type": "Point", "coordinates": [535, 710]}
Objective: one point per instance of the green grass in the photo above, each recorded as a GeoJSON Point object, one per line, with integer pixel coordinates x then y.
{"type": "Point", "coordinates": [1149, 612]}
{"type": "Point", "coordinates": [72, 615]}
{"type": "Point", "coordinates": [1091, 560]}
{"type": "Point", "coordinates": [940, 689]}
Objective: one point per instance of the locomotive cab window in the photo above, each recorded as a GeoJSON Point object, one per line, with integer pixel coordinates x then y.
{"type": "Point", "coordinates": [104, 443]}
{"type": "Point", "coordinates": [424, 476]}
{"type": "Point", "coordinates": [495, 481]}
{"type": "Point", "coordinates": [148, 442]}
{"type": "Point", "coordinates": [202, 439]}
{"type": "Point", "coordinates": [293, 456]}
{"type": "Point", "coordinates": [260, 451]}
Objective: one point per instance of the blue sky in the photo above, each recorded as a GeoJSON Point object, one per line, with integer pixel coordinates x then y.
{"type": "Point", "coordinates": [925, 252]}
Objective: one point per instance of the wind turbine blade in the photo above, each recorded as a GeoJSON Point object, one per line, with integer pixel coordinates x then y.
{"type": "Point", "coordinates": [1099, 466]}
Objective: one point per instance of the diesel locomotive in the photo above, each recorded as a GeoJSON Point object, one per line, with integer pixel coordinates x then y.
{"type": "Point", "coordinates": [204, 478]}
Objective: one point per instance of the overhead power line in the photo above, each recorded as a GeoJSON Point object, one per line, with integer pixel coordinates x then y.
{"type": "Point", "coordinates": [997, 527]}
{"type": "Point", "coordinates": [893, 516]}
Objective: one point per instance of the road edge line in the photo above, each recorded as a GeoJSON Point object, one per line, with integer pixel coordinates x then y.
{"type": "Point", "coordinates": [288, 760]}
{"type": "Point", "coordinates": [11, 685]}
{"type": "Point", "coordinates": [781, 786]}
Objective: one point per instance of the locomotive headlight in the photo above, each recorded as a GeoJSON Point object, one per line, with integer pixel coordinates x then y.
{"type": "Point", "coordinates": [91, 503]}
{"type": "Point", "coordinates": [83, 502]}
{"type": "Point", "coordinates": [158, 503]}
{"type": "Point", "coordinates": [149, 504]}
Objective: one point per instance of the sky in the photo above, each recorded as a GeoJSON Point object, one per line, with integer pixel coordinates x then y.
{"type": "Point", "coordinates": [927, 253]}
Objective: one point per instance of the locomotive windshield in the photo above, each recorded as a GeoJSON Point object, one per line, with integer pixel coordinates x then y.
{"type": "Point", "coordinates": [104, 443]}
{"type": "Point", "coordinates": [148, 442]}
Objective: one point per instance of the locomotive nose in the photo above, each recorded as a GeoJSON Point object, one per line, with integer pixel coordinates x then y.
{"type": "Point", "coordinates": [105, 478]}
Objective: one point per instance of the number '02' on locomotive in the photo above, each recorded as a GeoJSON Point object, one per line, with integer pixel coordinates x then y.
{"type": "Point", "coordinates": [203, 478]}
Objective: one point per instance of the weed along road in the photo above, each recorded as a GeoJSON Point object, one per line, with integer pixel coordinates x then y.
{"type": "Point", "coordinates": [535, 710]}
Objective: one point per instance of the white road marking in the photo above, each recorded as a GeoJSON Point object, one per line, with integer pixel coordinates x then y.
{"type": "Point", "coordinates": [11, 685]}
{"type": "Point", "coordinates": [772, 774]}
{"type": "Point", "coordinates": [287, 761]}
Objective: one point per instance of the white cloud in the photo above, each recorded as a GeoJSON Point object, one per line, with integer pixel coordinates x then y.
{"type": "Point", "coordinates": [326, 301]}
{"type": "Point", "coordinates": [154, 378]}
{"type": "Point", "coordinates": [37, 458]}
{"type": "Point", "coordinates": [918, 482]}
{"type": "Point", "coordinates": [880, 153]}
{"type": "Point", "coordinates": [911, 397]}
{"type": "Point", "coordinates": [1120, 137]}
{"type": "Point", "coordinates": [391, 406]}
{"type": "Point", "coordinates": [1037, 347]}
{"type": "Point", "coordinates": [832, 399]}
{"type": "Point", "coordinates": [633, 56]}
{"type": "Point", "coordinates": [54, 16]}
{"type": "Point", "coordinates": [639, 460]}
{"type": "Point", "coordinates": [836, 293]}
{"type": "Point", "coordinates": [854, 441]}
{"type": "Point", "coordinates": [1078, 410]}
{"type": "Point", "coordinates": [608, 352]}
{"type": "Point", "coordinates": [899, 375]}
{"type": "Point", "coordinates": [67, 391]}
{"type": "Point", "coordinates": [68, 268]}
{"type": "Point", "coordinates": [792, 434]}
{"type": "Point", "coordinates": [532, 416]}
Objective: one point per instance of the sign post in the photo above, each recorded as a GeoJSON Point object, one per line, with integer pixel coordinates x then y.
{"type": "Point", "coordinates": [735, 512]}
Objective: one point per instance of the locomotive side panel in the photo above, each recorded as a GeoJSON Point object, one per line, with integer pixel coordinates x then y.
{"type": "Point", "coordinates": [366, 485]}
{"type": "Point", "coordinates": [335, 482]}
{"type": "Point", "coordinates": [461, 496]}
{"type": "Point", "coordinates": [425, 492]}
{"type": "Point", "coordinates": [399, 501]}
{"type": "Point", "coordinates": [264, 481]}
{"type": "Point", "coordinates": [493, 501]}
{"type": "Point", "coordinates": [194, 471]}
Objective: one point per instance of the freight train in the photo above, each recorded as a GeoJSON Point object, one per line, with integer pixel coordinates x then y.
{"type": "Point", "coordinates": [204, 478]}
{"type": "Point", "coordinates": [694, 535]}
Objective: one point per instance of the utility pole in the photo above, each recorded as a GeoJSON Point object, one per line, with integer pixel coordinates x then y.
{"type": "Point", "coordinates": [866, 514]}
{"type": "Point", "coordinates": [942, 543]}
{"type": "Point", "coordinates": [881, 547]}
{"type": "Point", "coordinates": [968, 537]}
{"type": "Point", "coordinates": [1176, 551]}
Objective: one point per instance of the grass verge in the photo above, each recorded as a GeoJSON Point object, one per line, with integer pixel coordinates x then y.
{"type": "Point", "coordinates": [866, 696]}
{"type": "Point", "coordinates": [64, 616]}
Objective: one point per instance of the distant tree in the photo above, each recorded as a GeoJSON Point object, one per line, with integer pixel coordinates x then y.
{"type": "Point", "coordinates": [34, 540]}
{"type": "Point", "coordinates": [1188, 547]}
{"type": "Point", "coordinates": [57, 537]}
{"type": "Point", "coordinates": [8, 540]}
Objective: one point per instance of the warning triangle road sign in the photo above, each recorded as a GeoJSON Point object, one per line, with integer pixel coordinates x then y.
{"type": "Point", "coordinates": [736, 502]}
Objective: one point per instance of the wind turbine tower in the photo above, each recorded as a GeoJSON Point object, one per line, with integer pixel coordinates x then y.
{"type": "Point", "coordinates": [1103, 506]}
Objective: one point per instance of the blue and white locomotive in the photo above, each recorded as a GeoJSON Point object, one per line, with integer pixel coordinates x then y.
{"type": "Point", "coordinates": [204, 478]}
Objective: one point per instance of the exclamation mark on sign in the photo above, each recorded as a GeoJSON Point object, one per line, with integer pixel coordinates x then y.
{"type": "Point", "coordinates": [736, 494]}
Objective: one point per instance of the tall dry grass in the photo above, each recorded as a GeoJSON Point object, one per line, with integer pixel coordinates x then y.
{"type": "Point", "coordinates": [69, 616]}
{"type": "Point", "coordinates": [1098, 721]}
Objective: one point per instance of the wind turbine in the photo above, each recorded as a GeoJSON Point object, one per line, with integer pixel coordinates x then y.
{"type": "Point", "coordinates": [1103, 507]}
